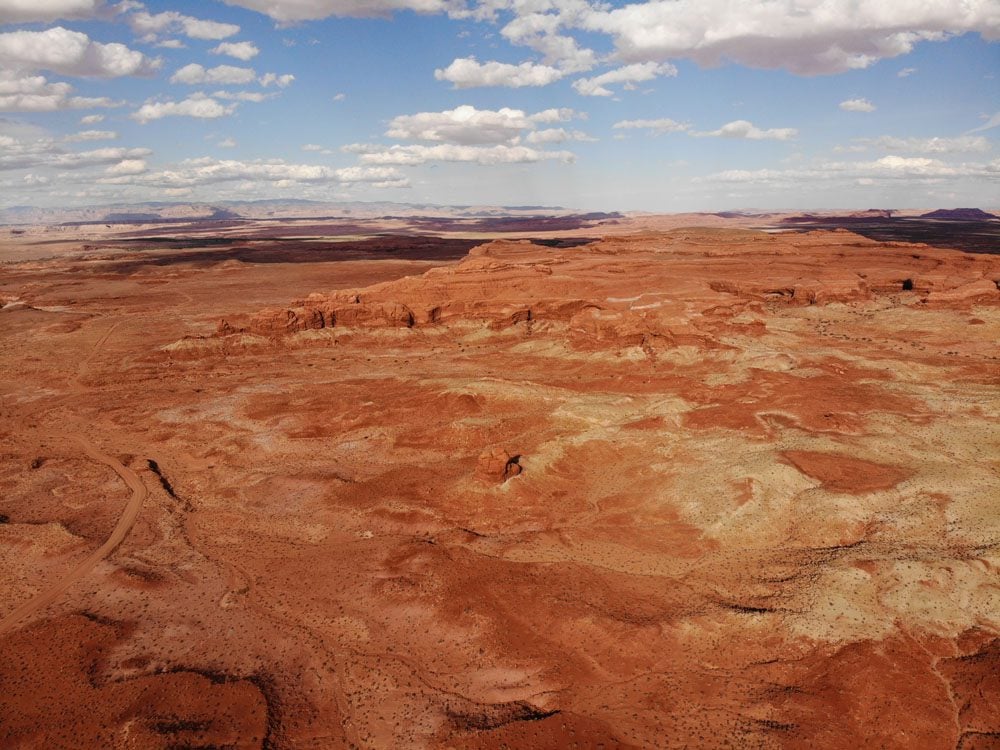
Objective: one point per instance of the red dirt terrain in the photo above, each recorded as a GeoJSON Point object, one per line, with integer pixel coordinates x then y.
{"type": "Point", "coordinates": [699, 488]}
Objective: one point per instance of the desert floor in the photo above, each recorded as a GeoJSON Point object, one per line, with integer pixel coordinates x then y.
{"type": "Point", "coordinates": [679, 487]}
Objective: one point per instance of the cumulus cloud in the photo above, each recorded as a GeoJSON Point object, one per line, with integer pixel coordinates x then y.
{"type": "Point", "coordinates": [470, 135]}
{"type": "Point", "coordinates": [91, 135]}
{"type": "Point", "coordinates": [37, 153]}
{"type": "Point", "coordinates": [557, 135]}
{"type": "Point", "coordinates": [44, 11]}
{"type": "Point", "coordinates": [857, 105]}
{"type": "Point", "coordinates": [960, 144]}
{"type": "Point", "coordinates": [541, 32]}
{"type": "Point", "coordinates": [240, 50]}
{"type": "Point", "coordinates": [736, 129]}
{"type": "Point", "coordinates": [281, 81]}
{"type": "Point", "coordinates": [805, 38]}
{"type": "Point", "coordinates": [127, 166]}
{"type": "Point", "coordinates": [416, 154]}
{"type": "Point", "coordinates": [463, 125]}
{"type": "Point", "coordinates": [467, 72]}
{"type": "Point", "coordinates": [659, 126]}
{"type": "Point", "coordinates": [887, 169]}
{"type": "Point", "coordinates": [198, 106]}
{"type": "Point", "coordinates": [208, 171]}
{"type": "Point", "coordinates": [91, 119]}
{"type": "Point", "coordinates": [242, 96]}
{"type": "Point", "coordinates": [287, 11]}
{"type": "Point", "coordinates": [628, 74]}
{"type": "Point", "coordinates": [557, 114]}
{"type": "Point", "coordinates": [746, 129]}
{"type": "Point", "coordinates": [150, 25]}
{"type": "Point", "coordinates": [71, 53]}
{"type": "Point", "coordinates": [194, 74]}
{"type": "Point", "coordinates": [21, 92]}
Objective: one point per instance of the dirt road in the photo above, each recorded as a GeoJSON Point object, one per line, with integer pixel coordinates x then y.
{"type": "Point", "coordinates": [124, 525]}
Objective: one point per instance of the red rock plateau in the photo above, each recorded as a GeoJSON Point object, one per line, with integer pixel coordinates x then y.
{"type": "Point", "coordinates": [701, 488]}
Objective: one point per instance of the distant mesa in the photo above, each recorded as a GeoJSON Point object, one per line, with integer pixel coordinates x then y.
{"type": "Point", "coordinates": [960, 214]}
{"type": "Point", "coordinates": [127, 218]}
{"type": "Point", "coordinates": [740, 214]}
{"type": "Point", "coordinates": [165, 212]}
{"type": "Point", "coordinates": [872, 213]}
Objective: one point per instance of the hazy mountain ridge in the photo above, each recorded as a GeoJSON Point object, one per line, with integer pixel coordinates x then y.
{"type": "Point", "coordinates": [261, 209]}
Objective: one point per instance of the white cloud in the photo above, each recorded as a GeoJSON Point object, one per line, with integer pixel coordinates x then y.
{"type": "Point", "coordinates": [173, 22]}
{"type": "Point", "coordinates": [413, 155]}
{"type": "Point", "coordinates": [24, 92]}
{"type": "Point", "coordinates": [803, 37]}
{"type": "Point", "coordinates": [197, 106]}
{"type": "Point", "coordinates": [881, 171]}
{"type": "Point", "coordinates": [339, 97]}
{"type": "Point", "coordinates": [736, 129]}
{"type": "Point", "coordinates": [43, 11]}
{"type": "Point", "coordinates": [313, 147]}
{"type": "Point", "coordinates": [746, 129]}
{"type": "Point", "coordinates": [312, 10]}
{"type": "Point", "coordinates": [281, 81]}
{"type": "Point", "coordinates": [961, 144]}
{"type": "Point", "coordinates": [662, 125]}
{"type": "Point", "coordinates": [991, 122]}
{"type": "Point", "coordinates": [470, 135]}
{"type": "Point", "coordinates": [91, 119]}
{"type": "Point", "coordinates": [906, 72]}
{"type": "Point", "coordinates": [71, 53]}
{"type": "Point", "coordinates": [171, 44]}
{"type": "Point", "coordinates": [467, 72]}
{"type": "Point", "coordinates": [36, 153]}
{"type": "Point", "coordinates": [557, 135]}
{"type": "Point", "coordinates": [540, 32]}
{"type": "Point", "coordinates": [628, 74]}
{"type": "Point", "coordinates": [806, 37]}
{"type": "Point", "coordinates": [240, 50]}
{"type": "Point", "coordinates": [127, 166]}
{"type": "Point", "coordinates": [557, 114]}
{"type": "Point", "coordinates": [194, 74]}
{"type": "Point", "coordinates": [243, 96]}
{"type": "Point", "coordinates": [208, 171]}
{"type": "Point", "coordinates": [227, 143]}
{"type": "Point", "coordinates": [464, 125]}
{"type": "Point", "coordinates": [91, 135]}
{"type": "Point", "coordinates": [857, 105]}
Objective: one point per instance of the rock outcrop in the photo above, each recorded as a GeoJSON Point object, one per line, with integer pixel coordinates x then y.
{"type": "Point", "coordinates": [651, 291]}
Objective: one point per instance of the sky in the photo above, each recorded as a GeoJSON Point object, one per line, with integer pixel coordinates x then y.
{"type": "Point", "coordinates": [663, 105]}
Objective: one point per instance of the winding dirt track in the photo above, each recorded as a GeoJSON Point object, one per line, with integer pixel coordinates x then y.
{"type": "Point", "coordinates": [124, 525]}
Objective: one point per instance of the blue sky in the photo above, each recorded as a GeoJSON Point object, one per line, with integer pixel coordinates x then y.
{"type": "Point", "coordinates": [667, 105]}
